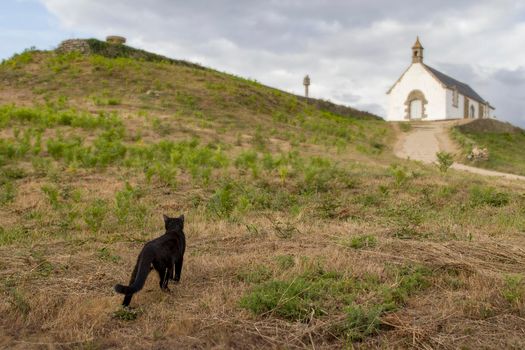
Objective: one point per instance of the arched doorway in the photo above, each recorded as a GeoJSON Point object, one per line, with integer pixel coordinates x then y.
{"type": "Point", "coordinates": [415, 105]}
{"type": "Point", "coordinates": [416, 109]}
{"type": "Point", "coordinates": [472, 114]}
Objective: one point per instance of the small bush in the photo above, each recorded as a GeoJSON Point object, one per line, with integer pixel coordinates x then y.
{"type": "Point", "coordinates": [285, 262]}
{"type": "Point", "coordinates": [362, 322]}
{"type": "Point", "coordinates": [320, 293]}
{"type": "Point", "coordinates": [513, 290]}
{"type": "Point", "coordinates": [248, 160]}
{"type": "Point", "coordinates": [54, 115]}
{"type": "Point", "coordinates": [53, 196]}
{"type": "Point", "coordinates": [105, 254]}
{"type": "Point", "coordinates": [292, 300]}
{"type": "Point", "coordinates": [7, 192]}
{"type": "Point", "coordinates": [127, 314]}
{"type": "Point", "coordinates": [399, 174]}
{"type": "Point", "coordinates": [12, 235]}
{"type": "Point", "coordinates": [445, 161]}
{"type": "Point", "coordinates": [18, 301]}
{"type": "Point", "coordinates": [95, 214]}
{"type": "Point", "coordinates": [480, 195]}
{"type": "Point", "coordinates": [259, 140]}
{"type": "Point", "coordinates": [127, 205]}
{"type": "Point", "coordinates": [363, 241]}
{"type": "Point", "coordinates": [223, 201]}
{"type": "Point", "coordinates": [165, 172]}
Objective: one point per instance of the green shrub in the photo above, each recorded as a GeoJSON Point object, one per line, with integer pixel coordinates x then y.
{"type": "Point", "coordinates": [166, 173]}
{"type": "Point", "coordinates": [160, 127]}
{"type": "Point", "coordinates": [259, 140]}
{"type": "Point", "coordinates": [106, 101]}
{"type": "Point", "coordinates": [363, 241]}
{"type": "Point", "coordinates": [51, 116]}
{"type": "Point", "coordinates": [127, 205]}
{"type": "Point", "coordinates": [53, 196]}
{"type": "Point", "coordinates": [95, 214]}
{"type": "Point", "coordinates": [127, 314]}
{"type": "Point", "coordinates": [321, 293]}
{"type": "Point", "coordinates": [21, 59]}
{"type": "Point", "coordinates": [11, 235]}
{"type": "Point", "coordinates": [105, 254]}
{"type": "Point", "coordinates": [246, 159]}
{"type": "Point", "coordinates": [7, 192]}
{"type": "Point", "coordinates": [285, 262]}
{"type": "Point", "coordinates": [361, 321]}
{"type": "Point", "coordinates": [513, 290]}
{"type": "Point", "coordinates": [18, 301]}
{"type": "Point", "coordinates": [480, 195]}
{"type": "Point", "coordinates": [399, 173]}
{"type": "Point", "coordinates": [223, 201]}
{"type": "Point", "coordinates": [292, 300]}
{"type": "Point", "coordinates": [445, 161]}
{"type": "Point", "coordinates": [107, 149]}
{"type": "Point", "coordinates": [406, 220]}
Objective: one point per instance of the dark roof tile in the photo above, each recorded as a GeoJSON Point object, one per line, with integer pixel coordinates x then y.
{"type": "Point", "coordinates": [449, 82]}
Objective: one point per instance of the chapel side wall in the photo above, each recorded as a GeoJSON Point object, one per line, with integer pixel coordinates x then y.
{"type": "Point", "coordinates": [475, 104]}
{"type": "Point", "coordinates": [452, 111]}
{"type": "Point", "coordinates": [417, 78]}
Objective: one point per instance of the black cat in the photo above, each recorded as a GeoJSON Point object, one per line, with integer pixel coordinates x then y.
{"type": "Point", "coordinates": [163, 253]}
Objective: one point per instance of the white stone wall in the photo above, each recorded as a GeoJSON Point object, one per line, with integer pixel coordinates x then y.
{"type": "Point", "coordinates": [454, 112]}
{"type": "Point", "coordinates": [458, 112]}
{"type": "Point", "coordinates": [417, 78]}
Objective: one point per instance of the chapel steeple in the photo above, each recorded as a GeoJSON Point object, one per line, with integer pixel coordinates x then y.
{"type": "Point", "coordinates": [417, 52]}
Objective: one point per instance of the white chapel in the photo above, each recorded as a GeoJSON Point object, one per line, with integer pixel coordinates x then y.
{"type": "Point", "coordinates": [424, 93]}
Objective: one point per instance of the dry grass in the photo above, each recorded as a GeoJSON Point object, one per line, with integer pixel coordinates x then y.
{"type": "Point", "coordinates": [448, 249]}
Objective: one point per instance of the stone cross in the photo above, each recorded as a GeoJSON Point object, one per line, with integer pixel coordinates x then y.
{"type": "Point", "coordinates": [306, 83]}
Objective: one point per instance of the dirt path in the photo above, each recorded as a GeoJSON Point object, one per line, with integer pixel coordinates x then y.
{"type": "Point", "coordinates": [427, 138]}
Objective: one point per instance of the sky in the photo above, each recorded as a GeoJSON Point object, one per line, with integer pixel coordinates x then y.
{"type": "Point", "coordinates": [353, 50]}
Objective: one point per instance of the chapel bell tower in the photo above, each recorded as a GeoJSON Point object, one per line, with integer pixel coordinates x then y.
{"type": "Point", "coordinates": [417, 52]}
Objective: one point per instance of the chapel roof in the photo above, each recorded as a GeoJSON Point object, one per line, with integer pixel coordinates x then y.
{"type": "Point", "coordinates": [452, 83]}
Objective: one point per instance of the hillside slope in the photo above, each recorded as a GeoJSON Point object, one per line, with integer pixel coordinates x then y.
{"type": "Point", "coordinates": [303, 230]}
{"type": "Point", "coordinates": [504, 142]}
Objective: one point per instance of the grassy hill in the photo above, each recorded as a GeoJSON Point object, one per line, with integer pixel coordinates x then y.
{"type": "Point", "coordinates": [303, 230]}
{"type": "Point", "coordinates": [504, 142]}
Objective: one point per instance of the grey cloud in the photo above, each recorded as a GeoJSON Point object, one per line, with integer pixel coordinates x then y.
{"type": "Point", "coordinates": [511, 77]}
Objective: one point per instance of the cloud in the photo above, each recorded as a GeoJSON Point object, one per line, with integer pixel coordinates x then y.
{"type": "Point", "coordinates": [353, 50]}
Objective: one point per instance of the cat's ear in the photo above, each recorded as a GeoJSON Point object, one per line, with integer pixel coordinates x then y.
{"type": "Point", "coordinates": [181, 218]}
{"type": "Point", "coordinates": [166, 218]}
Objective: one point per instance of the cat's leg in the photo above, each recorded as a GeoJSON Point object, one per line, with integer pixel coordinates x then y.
{"type": "Point", "coordinates": [178, 269]}
{"type": "Point", "coordinates": [163, 276]}
{"type": "Point", "coordinates": [170, 272]}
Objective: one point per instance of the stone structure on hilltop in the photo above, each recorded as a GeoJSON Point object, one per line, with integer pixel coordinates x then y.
{"type": "Point", "coordinates": [115, 39]}
{"type": "Point", "coordinates": [306, 83]}
{"type": "Point", "coordinates": [74, 45]}
{"type": "Point", "coordinates": [82, 45]}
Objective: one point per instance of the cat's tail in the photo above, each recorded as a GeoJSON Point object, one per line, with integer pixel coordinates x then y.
{"type": "Point", "coordinates": [143, 269]}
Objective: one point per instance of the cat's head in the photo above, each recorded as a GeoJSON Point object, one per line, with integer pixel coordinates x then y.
{"type": "Point", "coordinates": [174, 224]}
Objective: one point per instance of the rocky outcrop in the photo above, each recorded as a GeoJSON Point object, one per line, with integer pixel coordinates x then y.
{"type": "Point", "coordinates": [74, 45]}
{"type": "Point", "coordinates": [478, 153]}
